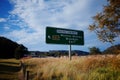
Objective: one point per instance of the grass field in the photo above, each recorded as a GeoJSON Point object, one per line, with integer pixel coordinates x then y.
{"type": "Point", "coordinates": [99, 67]}
{"type": "Point", "coordinates": [9, 69]}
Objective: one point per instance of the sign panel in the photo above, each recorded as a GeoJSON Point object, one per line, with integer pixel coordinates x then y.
{"type": "Point", "coordinates": [64, 36]}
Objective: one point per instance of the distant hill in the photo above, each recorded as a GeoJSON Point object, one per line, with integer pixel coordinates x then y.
{"type": "Point", "coordinates": [57, 53]}
{"type": "Point", "coordinates": [112, 50]}
{"type": "Point", "coordinates": [80, 53]}
{"type": "Point", "coordinates": [8, 47]}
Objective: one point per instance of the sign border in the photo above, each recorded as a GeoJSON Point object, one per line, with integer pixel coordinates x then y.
{"type": "Point", "coordinates": [82, 43]}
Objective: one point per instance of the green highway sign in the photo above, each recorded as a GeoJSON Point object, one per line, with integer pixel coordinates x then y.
{"type": "Point", "coordinates": [64, 36]}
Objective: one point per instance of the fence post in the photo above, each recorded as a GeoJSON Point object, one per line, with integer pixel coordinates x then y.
{"type": "Point", "coordinates": [23, 67]}
{"type": "Point", "coordinates": [27, 75]}
{"type": "Point", "coordinates": [70, 57]}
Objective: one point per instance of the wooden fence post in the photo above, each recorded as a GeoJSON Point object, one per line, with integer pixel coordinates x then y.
{"type": "Point", "coordinates": [27, 75]}
{"type": "Point", "coordinates": [23, 68]}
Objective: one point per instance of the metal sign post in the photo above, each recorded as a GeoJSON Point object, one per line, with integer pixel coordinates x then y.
{"type": "Point", "coordinates": [64, 36]}
{"type": "Point", "coordinates": [70, 52]}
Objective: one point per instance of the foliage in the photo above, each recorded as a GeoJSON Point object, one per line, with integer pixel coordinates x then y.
{"type": "Point", "coordinates": [104, 74]}
{"type": "Point", "coordinates": [8, 47]}
{"type": "Point", "coordinates": [20, 51]}
{"type": "Point", "coordinates": [94, 50]}
{"type": "Point", "coordinates": [107, 23]}
{"type": "Point", "coordinates": [112, 50]}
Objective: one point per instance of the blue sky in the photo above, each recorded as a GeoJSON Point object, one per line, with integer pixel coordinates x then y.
{"type": "Point", "coordinates": [25, 21]}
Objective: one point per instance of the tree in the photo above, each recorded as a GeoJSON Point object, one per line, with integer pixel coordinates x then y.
{"type": "Point", "coordinates": [112, 50]}
{"type": "Point", "coordinates": [107, 23]}
{"type": "Point", "coordinates": [94, 50]}
{"type": "Point", "coordinates": [9, 48]}
{"type": "Point", "coordinates": [20, 51]}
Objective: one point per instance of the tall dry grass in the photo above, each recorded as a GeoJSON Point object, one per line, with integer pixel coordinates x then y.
{"type": "Point", "coordinates": [98, 67]}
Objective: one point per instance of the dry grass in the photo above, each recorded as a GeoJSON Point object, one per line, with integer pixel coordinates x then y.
{"type": "Point", "coordinates": [98, 67]}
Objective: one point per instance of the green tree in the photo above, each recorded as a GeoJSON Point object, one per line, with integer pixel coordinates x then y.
{"type": "Point", "coordinates": [107, 23]}
{"type": "Point", "coordinates": [20, 51]}
{"type": "Point", "coordinates": [94, 50]}
{"type": "Point", "coordinates": [7, 47]}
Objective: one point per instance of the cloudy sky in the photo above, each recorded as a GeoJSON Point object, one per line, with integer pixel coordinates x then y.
{"type": "Point", "coordinates": [25, 21]}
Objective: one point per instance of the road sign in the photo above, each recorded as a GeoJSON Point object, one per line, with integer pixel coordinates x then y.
{"type": "Point", "coordinates": [64, 36]}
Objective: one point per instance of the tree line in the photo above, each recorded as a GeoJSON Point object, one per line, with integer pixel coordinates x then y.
{"type": "Point", "coordinates": [11, 49]}
{"type": "Point", "coordinates": [115, 49]}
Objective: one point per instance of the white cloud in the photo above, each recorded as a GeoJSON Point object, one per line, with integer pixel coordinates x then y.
{"type": "Point", "coordinates": [26, 37]}
{"type": "Point", "coordinates": [35, 15]}
{"type": "Point", "coordinates": [38, 14]}
{"type": "Point", "coordinates": [6, 28]}
{"type": "Point", "coordinates": [3, 20]}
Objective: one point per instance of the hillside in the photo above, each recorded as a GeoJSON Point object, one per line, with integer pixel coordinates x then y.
{"type": "Point", "coordinates": [9, 47]}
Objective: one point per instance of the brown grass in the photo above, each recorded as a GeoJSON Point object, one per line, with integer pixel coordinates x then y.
{"type": "Point", "coordinates": [100, 67]}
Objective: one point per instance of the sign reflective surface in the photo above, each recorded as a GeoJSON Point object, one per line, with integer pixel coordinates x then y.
{"type": "Point", "coordinates": [64, 36]}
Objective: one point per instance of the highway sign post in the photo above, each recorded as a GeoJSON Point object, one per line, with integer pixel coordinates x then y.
{"type": "Point", "coordinates": [64, 36]}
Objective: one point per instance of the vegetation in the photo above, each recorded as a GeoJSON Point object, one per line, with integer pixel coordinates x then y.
{"type": "Point", "coordinates": [112, 50]}
{"type": "Point", "coordinates": [92, 67]}
{"type": "Point", "coordinates": [55, 53]}
{"type": "Point", "coordinates": [10, 49]}
{"type": "Point", "coordinates": [94, 50]}
{"type": "Point", "coordinates": [20, 51]}
{"type": "Point", "coordinates": [107, 23]}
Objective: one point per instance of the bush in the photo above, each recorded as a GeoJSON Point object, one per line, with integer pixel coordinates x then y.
{"type": "Point", "coordinates": [94, 50]}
